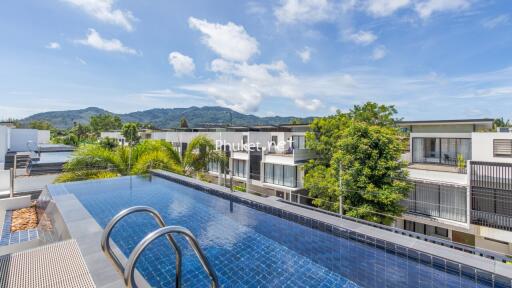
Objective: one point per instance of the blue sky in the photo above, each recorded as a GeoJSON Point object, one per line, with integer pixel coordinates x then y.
{"type": "Point", "coordinates": [432, 59]}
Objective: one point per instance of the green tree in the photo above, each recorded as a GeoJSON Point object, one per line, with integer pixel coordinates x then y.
{"type": "Point", "coordinates": [296, 121]}
{"type": "Point", "coordinates": [82, 132]}
{"type": "Point", "coordinates": [41, 125]}
{"type": "Point", "coordinates": [183, 122]}
{"type": "Point", "coordinates": [105, 122]}
{"type": "Point", "coordinates": [130, 132]}
{"type": "Point", "coordinates": [109, 143]}
{"type": "Point", "coordinates": [93, 161]}
{"type": "Point", "coordinates": [360, 150]}
{"type": "Point", "coordinates": [501, 122]}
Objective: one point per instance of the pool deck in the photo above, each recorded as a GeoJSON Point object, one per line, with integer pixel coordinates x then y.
{"type": "Point", "coordinates": [447, 253]}
{"type": "Point", "coordinates": [87, 232]}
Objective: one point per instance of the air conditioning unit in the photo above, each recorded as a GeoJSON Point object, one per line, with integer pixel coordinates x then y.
{"type": "Point", "coordinates": [504, 129]}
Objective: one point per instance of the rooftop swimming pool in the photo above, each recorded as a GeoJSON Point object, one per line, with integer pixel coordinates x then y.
{"type": "Point", "coordinates": [250, 248]}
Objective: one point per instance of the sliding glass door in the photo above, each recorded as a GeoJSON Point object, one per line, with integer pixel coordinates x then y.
{"type": "Point", "coordinates": [440, 150]}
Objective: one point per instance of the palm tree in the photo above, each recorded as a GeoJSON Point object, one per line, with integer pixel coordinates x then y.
{"type": "Point", "coordinates": [93, 161]}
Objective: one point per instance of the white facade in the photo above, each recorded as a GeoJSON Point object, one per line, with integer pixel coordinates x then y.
{"type": "Point", "coordinates": [483, 146]}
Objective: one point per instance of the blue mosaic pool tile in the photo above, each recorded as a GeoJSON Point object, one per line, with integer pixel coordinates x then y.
{"type": "Point", "coordinates": [9, 237]}
{"type": "Point", "coordinates": [253, 245]}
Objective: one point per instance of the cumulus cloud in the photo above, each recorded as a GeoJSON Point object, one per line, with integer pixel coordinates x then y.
{"type": "Point", "coordinates": [305, 54]}
{"type": "Point", "coordinates": [361, 37]}
{"type": "Point", "coordinates": [293, 11]}
{"type": "Point", "coordinates": [94, 40]}
{"type": "Point", "coordinates": [379, 52]}
{"type": "Point", "coordinates": [103, 10]}
{"type": "Point", "coordinates": [242, 86]}
{"type": "Point", "coordinates": [182, 64]}
{"type": "Point", "coordinates": [53, 45]}
{"type": "Point", "coordinates": [426, 8]}
{"type": "Point", "coordinates": [230, 41]}
{"type": "Point", "coordinates": [382, 8]}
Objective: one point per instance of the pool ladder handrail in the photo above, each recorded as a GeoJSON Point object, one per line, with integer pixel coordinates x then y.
{"type": "Point", "coordinates": [128, 271]}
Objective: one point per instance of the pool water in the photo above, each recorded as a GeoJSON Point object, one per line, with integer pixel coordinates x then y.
{"type": "Point", "coordinates": [246, 247]}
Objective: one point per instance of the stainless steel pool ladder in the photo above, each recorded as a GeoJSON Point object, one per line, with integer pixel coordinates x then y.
{"type": "Point", "coordinates": [128, 272]}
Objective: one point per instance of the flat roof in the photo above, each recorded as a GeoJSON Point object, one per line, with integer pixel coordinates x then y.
{"type": "Point", "coordinates": [451, 121]}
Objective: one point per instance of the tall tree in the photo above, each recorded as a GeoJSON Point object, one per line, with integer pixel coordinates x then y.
{"type": "Point", "coordinates": [360, 150]}
{"type": "Point", "coordinates": [500, 122]}
{"type": "Point", "coordinates": [130, 132]}
{"type": "Point", "coordinates": [105, 122]}
{"type": "Point", "coordinates": [183, 122]}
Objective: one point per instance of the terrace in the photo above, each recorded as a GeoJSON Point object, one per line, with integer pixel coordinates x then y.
{"type": "Point", "coordinates": [239, 232]}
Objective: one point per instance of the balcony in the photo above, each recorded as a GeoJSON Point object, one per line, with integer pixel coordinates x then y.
{"type": "Point", "coordinates": [492, 220]}
{"type": "Point", "coordinates": [288, 157]}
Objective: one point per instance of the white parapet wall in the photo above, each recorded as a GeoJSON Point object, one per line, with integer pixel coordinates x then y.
{"type": "Point", "coordinates": [4, 144]}
{"type": "Point", "coordinates": [15, 203]}
{"type": "Point", "coordinates": [483, 146]}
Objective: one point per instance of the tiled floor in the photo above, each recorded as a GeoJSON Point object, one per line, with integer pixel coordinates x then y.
{"type": "Point", "coordinates": [9, 237]}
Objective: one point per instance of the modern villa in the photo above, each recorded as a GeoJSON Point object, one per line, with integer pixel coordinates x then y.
{"type": "Point", "coordinates": [169, 230]}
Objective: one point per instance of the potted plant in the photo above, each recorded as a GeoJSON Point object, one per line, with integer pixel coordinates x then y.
{"type": "Point", "coordinates": [461, 163]}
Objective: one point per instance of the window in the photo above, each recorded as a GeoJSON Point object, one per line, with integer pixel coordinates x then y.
{"type": "Point", "coordinates": [502, 147]}
{"type": "Point", "coordinates": [440, 150]}
{"type": "Point", "coordinates": [245, 139]}
{"type": "Point", "coordinates": [239, 168]}
{"type": "Point", "coordinates": [298, 142]}
{"type": "Point", "coordinates": [281, 175]}
{"type": "Point", "coordinates": [213, 166]}
{"type": "Point", "coordinates": [425, 229]}
{"type": "Point", "coordinates": [274, 140]}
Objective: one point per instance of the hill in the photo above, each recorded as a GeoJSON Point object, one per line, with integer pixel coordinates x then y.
{"type": "Point", "coordinates": [163, 117]}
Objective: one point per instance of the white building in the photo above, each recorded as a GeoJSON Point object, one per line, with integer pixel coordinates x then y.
{"type": "Point", "coordinates": [461, 171]}
{"type": "Point", "coordinates": [20, 140]}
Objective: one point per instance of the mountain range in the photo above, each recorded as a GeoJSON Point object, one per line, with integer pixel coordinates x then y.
{"type": "Point", "coordinates": [164, 117]}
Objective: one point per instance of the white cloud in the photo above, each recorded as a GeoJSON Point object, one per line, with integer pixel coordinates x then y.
{"type": "Point", "coordinates": [305, 54]}
{"type": "Point", "coordinates": [496, 21]}
{"type": "Point", "coordinates": [103, 11]}
{"type": "Point", "coordinates": [293, 11]}
{"type": "Point", "coordinates": [504, 91]}
{"type": "Point", "coordinates": [426, 8]}
{"type": "Point", "coordinates": [94, 40]}
{"type": "Point", "coordinates": [310, 105]}
{"type": "Point", "coordinates": [242, 86]}
{"type": "Point", "coordinates": [230, 41]}
{"type": "Point", "coordinates": [382, 8]}
{"type": "Point", "coordinates": [53, 45]}
{"type": "Point", "coordinates": [182, 64]}
{"type": "Point", "coordinates": [361, 37]}
{"type": "Point", "coordinates": [255, 8]}
{"type": "Point", "coordinates": [379, 52]}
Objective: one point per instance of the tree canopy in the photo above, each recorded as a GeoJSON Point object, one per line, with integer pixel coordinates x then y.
{"type": "Point", "coordinates": [130, 132]}
{"type": "Point", "coordinates": [183, 122]}
{"type": "Point", "coordinates": [361, 151]}
{"type": "Point", "coordinates": [105, 122]}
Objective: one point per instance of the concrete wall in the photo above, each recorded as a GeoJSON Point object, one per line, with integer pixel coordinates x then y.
{"type": "Point", "coordinates": [4, 144]}
{"type": "Point", "coordinates": [482, 146]}
{"type": "Point", "coordinates": [20, 137]}
{"type": "Point", "coordinates": [43, 136]}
